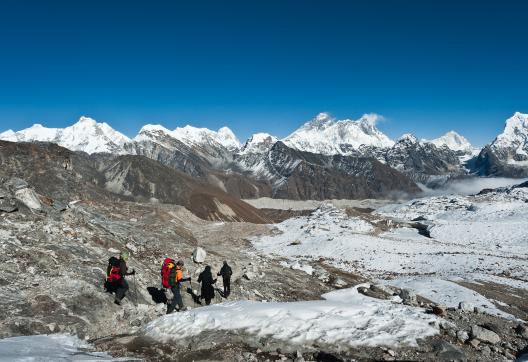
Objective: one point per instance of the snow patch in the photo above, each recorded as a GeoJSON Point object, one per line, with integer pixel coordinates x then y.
{"type": "Point", "coordinates": [345, 319]}
{"type": "Point", "coordinates": [57, 347]}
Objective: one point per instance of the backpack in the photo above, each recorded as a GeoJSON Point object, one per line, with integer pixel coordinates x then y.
{"type": "Point", "coordinates": [166, 267]}
{"type": "Point", "coordinates": [114, 268]}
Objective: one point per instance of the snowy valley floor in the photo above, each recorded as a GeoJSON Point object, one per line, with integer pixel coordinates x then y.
{"type": "Point", "coordinates": [448, 249]}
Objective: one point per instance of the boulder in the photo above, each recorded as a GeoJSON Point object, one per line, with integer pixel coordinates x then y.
{"type": "Point", "coordinates": [340, 283]}
{"type": "Point", "coordinates": [59, 206]}
{"type": "Point", "coordinates": [14, 184]}
{"type": "Point", "coordinates": [462, 336]}
{"type": "Point", "coordinates": [381, 288]}
{"type": "Point", "coordinates": [480, 310]}
{"type": "Point", "coordinates": [446, 351]}
{"type": "Point", "coordinates": [29, 198]}
{"type": "Point", "coordinates": [486, 351]}
{"type": "Point", "coordinates": [199, 255]}
{"type": "Point", "coordinates": [522, 330]}
{"type": "Point", "coordinates": [474, 343]}
{"type": "Point", "coordinates": [484, 335]}
{"type": "Point", "coordinates": [7, 205]}
{"type": "Point", "coordinates": [466, 307]}
{"type": "Point", "coordinates": [440, 310]}
{"type": "Point", "coordinates": [249, 275]}
{"type": "Point", "coordinates": [408, 297]}
{"type": "Point", "coordinates": [363, 290]}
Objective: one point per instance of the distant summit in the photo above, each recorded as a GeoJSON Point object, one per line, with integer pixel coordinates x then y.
{"type": "Point", "coordinates": [328, 136]}
{"type": "Point", "coordinates": [454, 141]}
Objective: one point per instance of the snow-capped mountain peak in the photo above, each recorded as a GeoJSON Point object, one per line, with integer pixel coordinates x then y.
{"type": "Point", "coordinates": [87, 121]}
{"type": "Point", "coordinates": [258, 143]}
{"type": "Point", "coordinates": [321, 121]}
{"type": "Point", "coordinates": [516, 126]}
{"type": "Point", "coordinates": [512, 143]}
{"type": "Point", "coordinates": [8, 135]}
{"type": "Point", "coordinates": [227, 138]}
{"type": "Point", "coordinates": [86, 135]}
{"type": "Point", "coordinates": [515, 131]}
{"type": "Point", "coordinates": [149, 129]}
{"type": "Point", "coordinates": [325, 135]}
{"type": "Point", "coordinates": [408, 138]}
{"type": "Point", "coordinates": [192, 136]}
{"type": "Point", "coordinates": [199, 136]}
{"type": "Point", "coordinates": [453, 141]}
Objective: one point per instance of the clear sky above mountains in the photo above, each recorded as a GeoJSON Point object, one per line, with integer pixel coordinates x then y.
{"type": "Point", "coordinates": [426, 66]}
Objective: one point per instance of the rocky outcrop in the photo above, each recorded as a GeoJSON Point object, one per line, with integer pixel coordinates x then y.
{"type": "Point", "coordinates": [490, 163]}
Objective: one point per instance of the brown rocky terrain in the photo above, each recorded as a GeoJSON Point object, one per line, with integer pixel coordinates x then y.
{"type": "Point", "coordinates": [65, 176]}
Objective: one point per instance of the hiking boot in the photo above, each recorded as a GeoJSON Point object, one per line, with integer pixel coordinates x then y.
{"type": "Point", "coordinates": [117, 302]}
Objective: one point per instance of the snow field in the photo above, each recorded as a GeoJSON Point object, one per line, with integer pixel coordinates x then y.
{"type": "Point", "coordinates": [473, 238]}
{"type": "Point", "coordinates": [344, 319]}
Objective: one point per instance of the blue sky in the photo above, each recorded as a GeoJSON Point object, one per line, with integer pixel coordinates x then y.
{"type": "Point", "coordinates": [426, 66]}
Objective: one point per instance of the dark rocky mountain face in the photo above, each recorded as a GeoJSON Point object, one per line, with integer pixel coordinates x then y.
{"type": "Point", "coordinates": [507, 155]}
{"type": "Point", "coordinates": [492, 163]}
{"type": "Point", "coordinates": [304, 175]}
{"type": "Point", "coordinates": [422, 160]}
{"type": "Point", "coordinates": [64, 175]}
{"type": "Point", "coordinates": [171, 152]}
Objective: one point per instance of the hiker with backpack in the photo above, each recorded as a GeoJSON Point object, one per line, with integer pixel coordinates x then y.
{"type": "Point", "coordinates": [116, 272]}
{"type": "Point", "coordinates": [206, 278]}
{"type": "Point", "coordinates": [172, 278]}
{"type": "Point", "coordinates": [226, 273]}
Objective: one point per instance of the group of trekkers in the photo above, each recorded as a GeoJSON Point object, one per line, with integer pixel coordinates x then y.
{"type": "Point", "coordinates": [171, 278]}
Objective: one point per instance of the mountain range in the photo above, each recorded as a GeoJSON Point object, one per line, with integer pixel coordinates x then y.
{"type": "Point", "coordinates": [323, 159]}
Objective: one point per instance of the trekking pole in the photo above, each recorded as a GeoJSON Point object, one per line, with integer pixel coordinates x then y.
{"type": "Point", "coordinates": [135, 289]}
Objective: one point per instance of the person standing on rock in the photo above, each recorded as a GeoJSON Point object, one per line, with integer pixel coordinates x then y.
{"type": "Point", "coordinates": [206, 278]}
{"type": "Point", "coordinates": [175, 280]}
{"type": "Point", "coordinates": [226, 273]}
{"type": "Point", "coordinates": [122, 272]}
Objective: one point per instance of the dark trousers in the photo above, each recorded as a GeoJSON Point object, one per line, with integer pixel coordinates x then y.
{"type": "Point", "coordinates": [121, 289]}
{"type": "Point", "coordinates": [176, 299]}
{"type": "Point", "coordinates": [227, 286]}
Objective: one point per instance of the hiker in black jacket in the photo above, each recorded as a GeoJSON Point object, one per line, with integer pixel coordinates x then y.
{"type": "Point", "coordinates": [226, 273]}
{"type": "Point", "coordinates": [206, 278]}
